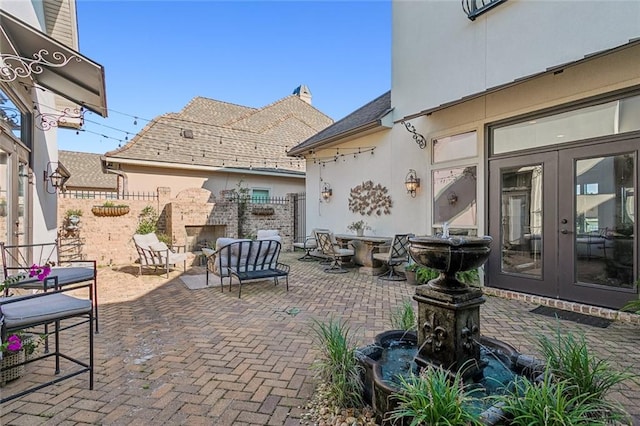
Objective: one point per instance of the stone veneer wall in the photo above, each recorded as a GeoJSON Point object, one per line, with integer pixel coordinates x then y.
{"type": "Point", "coordinates": [108, 240]}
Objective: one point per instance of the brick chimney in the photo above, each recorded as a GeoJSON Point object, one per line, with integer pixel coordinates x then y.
{"type": "Point", "coordinates": [304, 93]}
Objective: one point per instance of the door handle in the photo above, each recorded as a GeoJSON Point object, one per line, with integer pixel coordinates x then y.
{"type": "Point", "coordinates": [565, 231]}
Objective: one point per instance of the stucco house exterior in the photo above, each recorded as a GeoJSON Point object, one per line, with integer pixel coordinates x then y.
{"type": "Point", "coordinates": [220, 146]}
{"type": "Point", "coordinates": [44, 81]}
{"type": "Point", "coordinates": [86, 173]}
{"type": "Point", "coordinates": [522, 123]}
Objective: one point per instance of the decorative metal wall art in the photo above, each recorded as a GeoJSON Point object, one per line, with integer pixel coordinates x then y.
{"type": "Point", "coordinates": [420, 140]}
{"type": "Point", "coordinates": [14, 66]}
{"type": "Point", "coordinates": [370, 198]}
{"type": "Point", "coordinates": [48, 120]}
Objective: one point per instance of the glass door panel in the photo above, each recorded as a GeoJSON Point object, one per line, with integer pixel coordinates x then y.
{"type": "Point", "coordinates": [601, 246]}
{"type": "Point", "coordinates": [523, 256]}
{"type": "Point", "coordinates": [521, 238]}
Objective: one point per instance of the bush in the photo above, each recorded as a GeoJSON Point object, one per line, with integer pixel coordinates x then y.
{"type": "Point", "coordinates": [424, 275]}
{"type": "Point", "coordinates": [433, 398]}
{"type": "Point", "coordinates": [337, 365]}
{"type": "Point", "coordinates": [404, 318]}
{"type": "Point", "coordinates": [550, 402]}
{"type": "Point", "coordinates": [568, 358]}
{"type": "Point", "coordinates": [147, 221]}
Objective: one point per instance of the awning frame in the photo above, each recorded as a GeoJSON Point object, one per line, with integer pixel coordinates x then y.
{"type": "Point", "coordinates": [26, 52]}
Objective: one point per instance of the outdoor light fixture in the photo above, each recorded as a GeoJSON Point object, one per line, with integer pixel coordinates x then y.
{"type": "Point", "coordinates": [412, 182]}
{"type": "Point", "coordinates": [452, 198]}
{"type": "Point", "coordinates": [54, 179]}
{"type": "Point", "coordinates": [326, 191]}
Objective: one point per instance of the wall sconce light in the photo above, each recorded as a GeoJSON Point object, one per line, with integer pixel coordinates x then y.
{"type": "Point", "coordinates": [452, 198]}
{"type": "Point", "coordinates": [412, 182]}
{"type": "Point", "coordinates": [326, 191]}
{"type": "Point", "coordinates": [54, 179]}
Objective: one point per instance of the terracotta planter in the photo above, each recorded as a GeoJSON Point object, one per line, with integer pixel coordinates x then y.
{"type": "Point", "coordinates": [110, 210]}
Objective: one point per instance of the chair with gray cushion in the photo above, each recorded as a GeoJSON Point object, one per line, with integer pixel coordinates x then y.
{"type": "Point", "coordinates": [310, 247]}
{"type": "Point", "coordinates": [394, 255]}
{"type": "Point", "coordinates": [155, 254]}
{"type": "Point", "coordinates": [333, 251]}
{"type": "Point", "coordinates": [23, 313]}
{"type": "Point", "coordinates": [18, 259]}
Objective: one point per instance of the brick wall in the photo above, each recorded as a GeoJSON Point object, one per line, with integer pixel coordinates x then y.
{"type": "Point", "coordinates": [109, 239]}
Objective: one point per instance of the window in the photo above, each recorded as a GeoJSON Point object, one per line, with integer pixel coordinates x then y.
{"type": "Point", "coordinates": [260, 196]}
{"type": "Point", "coordinates": [449, 148]}
{"type": "Point", "coordinates": [454, 192]}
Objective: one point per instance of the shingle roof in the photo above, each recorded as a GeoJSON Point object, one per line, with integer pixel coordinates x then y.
{"type": "Point", "coordinates": [227, 135]}
{"type": "Point", "coordinates": [86, 171]}
{"type": "Point", "coordinates": [369, 114]}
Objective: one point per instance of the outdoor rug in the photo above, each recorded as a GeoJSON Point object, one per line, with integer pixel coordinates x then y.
{"type": "Point", "coordinates": [195, 282]}
{"type": "Point", "coordinates": [572, 316]}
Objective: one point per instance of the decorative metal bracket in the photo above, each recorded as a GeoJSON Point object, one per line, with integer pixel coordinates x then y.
{"type": "Point", "coordinates": [13, 66]}
{"type": "Point", "coordinates": [420, 140]}
{"type": "Point", "coordinates": [475, 8]}
{"type": "Point", "coordinates": [48, 120]}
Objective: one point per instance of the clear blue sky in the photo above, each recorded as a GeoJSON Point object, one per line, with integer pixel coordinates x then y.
{"type": "Point", "coordinates": [158, 55]}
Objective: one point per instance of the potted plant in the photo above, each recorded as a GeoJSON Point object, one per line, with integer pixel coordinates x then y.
{"type": "Point", "coordinates": [359, 226]}
{"type": "Point", "coordinates": [109, 208]}
{"type": "Point", "coordinates": [410, 272]}
{"type": "Point", "coordinates": [73, 216]}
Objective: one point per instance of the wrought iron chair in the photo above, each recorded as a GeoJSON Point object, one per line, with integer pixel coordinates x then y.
{"type": "Point", "coordinates": [310, 247]}
{"type": "Point", "coordinates": [333, 251]}
{"type": "Point", "coordinates": [396, 255]}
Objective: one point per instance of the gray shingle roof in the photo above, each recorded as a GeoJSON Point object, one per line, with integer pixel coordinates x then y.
{"type": "Point", "coordinates": [227, 135]}
{"type": "Point", "coordinates": [86, 171]}
{"type": "Point", "coordinates": [367, 115]}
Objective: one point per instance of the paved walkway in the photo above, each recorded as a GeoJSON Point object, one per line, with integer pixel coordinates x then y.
{"type": "Point", "coordinates": [170, 355]}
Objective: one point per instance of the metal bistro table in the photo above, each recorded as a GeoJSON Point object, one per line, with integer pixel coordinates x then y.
{"type": "Point", "coordinates": [364, 247]}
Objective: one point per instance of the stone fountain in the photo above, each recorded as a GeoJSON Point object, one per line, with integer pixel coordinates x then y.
{"type": "Point", "coordinates": [448, 329]}
{"type": "Point", "coordinates": [448, 310]}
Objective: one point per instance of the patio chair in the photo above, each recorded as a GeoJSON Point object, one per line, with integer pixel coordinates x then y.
{"type": "Point", "coordinates": [17, 260]}
{"type": "Point", "coordinates": [310, 245]}
{"type": "Point", "coordinates": [394, 255]}
{"type": "Point", "coordinates": [333, 251]}
{"type": "Point", "coordinates": [156, 254]}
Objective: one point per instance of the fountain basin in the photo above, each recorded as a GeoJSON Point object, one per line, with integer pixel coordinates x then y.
{"type": "Point", "coordinates": [380, 367]}
{"type": "Point", "coordinates": [450, 255]}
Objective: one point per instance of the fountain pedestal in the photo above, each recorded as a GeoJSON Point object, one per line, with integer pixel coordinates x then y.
{"type": "Point", "coordinates": [449, 329]}
{"type": "Point", "coordinates": [449, 310]}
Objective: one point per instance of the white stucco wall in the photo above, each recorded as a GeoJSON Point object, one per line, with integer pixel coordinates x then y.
{"type": "Point", "coordinates": [439, 55]}
{"type": "Point", "coordinates": [43, 226]}
{"type": "Point", "coordinates": [148, 179]}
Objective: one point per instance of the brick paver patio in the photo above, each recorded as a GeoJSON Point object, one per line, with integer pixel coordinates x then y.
{"type": "Point", "coordinates": [170, 355]}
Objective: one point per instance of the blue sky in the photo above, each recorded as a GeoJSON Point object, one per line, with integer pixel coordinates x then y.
{"type": "Point", "coordinates": [158, 55]}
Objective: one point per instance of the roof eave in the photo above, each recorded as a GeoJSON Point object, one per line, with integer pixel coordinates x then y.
{"type": "Point", "coordinates": [382, 123]}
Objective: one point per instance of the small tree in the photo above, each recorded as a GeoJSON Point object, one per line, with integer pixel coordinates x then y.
{"type": "Point", "coordinates": [147, 221]}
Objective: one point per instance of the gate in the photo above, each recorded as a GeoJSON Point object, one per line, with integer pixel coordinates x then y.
{"type": "Point", "coordinates": [299, 217]}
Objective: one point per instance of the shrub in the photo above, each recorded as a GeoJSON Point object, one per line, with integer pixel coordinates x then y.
{"type": "Point", "coordinates": [569, 358]}
{"type": "Point", "coordinates": [425, 274]}
{"type": "Point", "coordinates": [147, 221]}
{"type": "Point", "coordinates": [404, 317]}
{"type": "Point", "coordinates": [337, 365]}
{"type": "Point", "coordinates": [550, 402]}
{"type": "Point", "coordinates": [433, 398]}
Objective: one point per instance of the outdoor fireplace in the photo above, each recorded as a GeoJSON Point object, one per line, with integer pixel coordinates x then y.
{"type": "Point", "coordinates": [202, 235]}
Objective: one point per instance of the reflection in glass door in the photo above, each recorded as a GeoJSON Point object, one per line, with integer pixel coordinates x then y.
{"type": "Point", "coordinates": [523, 255]}
{"type": "Point", "coordinates": [602, 243]}
{"type": "Point", "coordinates": [521, 237]}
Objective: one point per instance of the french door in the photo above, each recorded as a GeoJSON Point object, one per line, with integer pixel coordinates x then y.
{"type": "Point", "coordinates": [563, 223]}
{"type": "Point", "coordinates": [14, 191]}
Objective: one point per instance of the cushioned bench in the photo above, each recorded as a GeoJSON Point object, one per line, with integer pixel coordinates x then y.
{"type": "Point", "coordinates": [20, 313]}
{"type": "Point", "coordinates": [246, 260]}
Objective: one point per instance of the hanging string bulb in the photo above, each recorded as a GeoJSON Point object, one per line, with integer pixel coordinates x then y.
{"type": "Point", "coordinates": [135, 121]}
